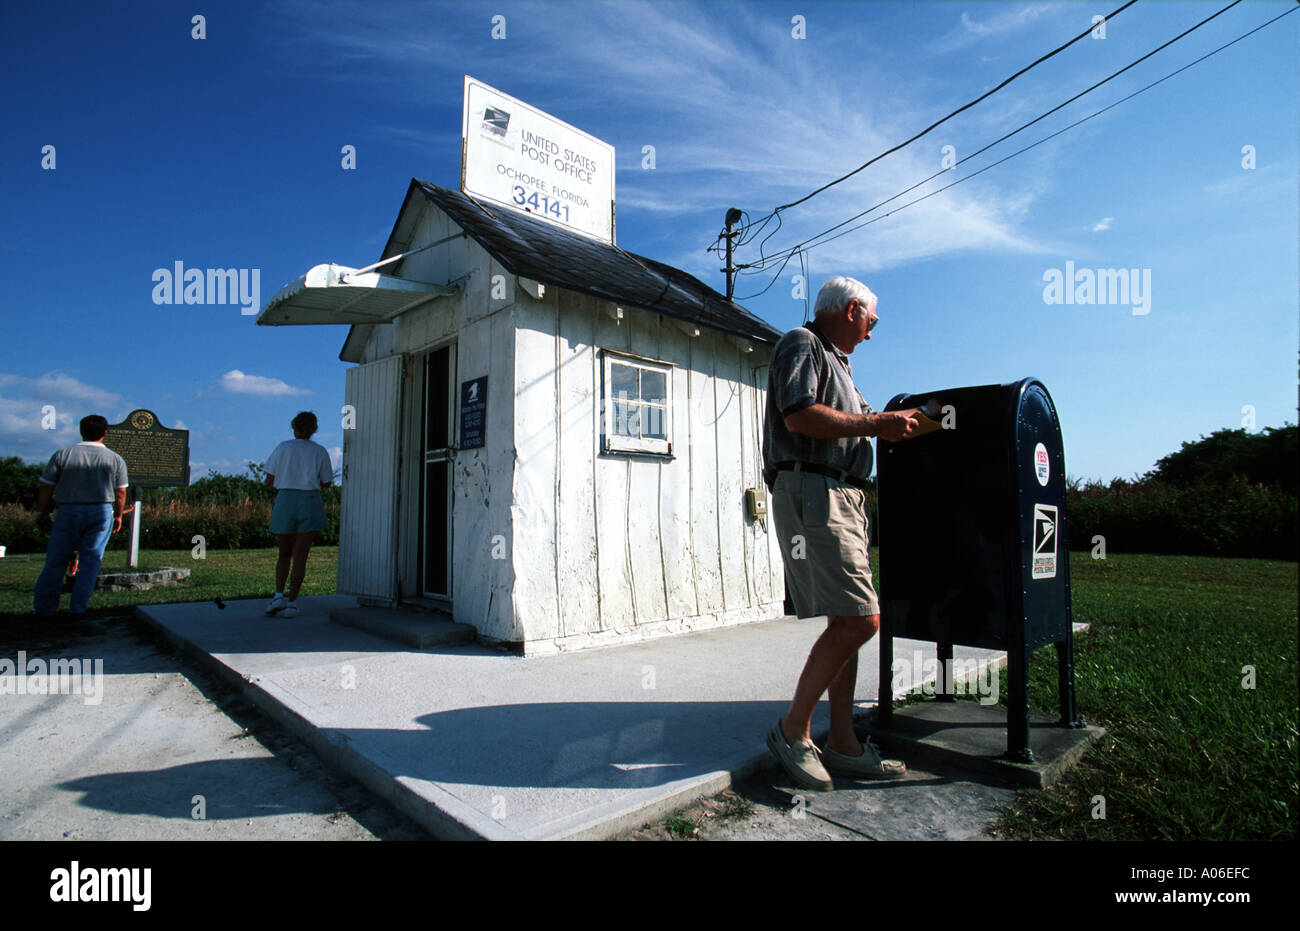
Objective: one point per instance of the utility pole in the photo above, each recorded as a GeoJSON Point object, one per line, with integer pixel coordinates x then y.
{"type": "Point", "coordinates": [733, 217]}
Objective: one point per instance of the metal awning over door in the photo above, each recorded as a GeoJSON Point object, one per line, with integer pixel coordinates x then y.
{"type": "Point", "coordinates": [337, 294]}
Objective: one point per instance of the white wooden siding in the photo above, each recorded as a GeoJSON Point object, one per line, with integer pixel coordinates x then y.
{"type": "Point", "coordinates": [644, 494]}
{"type": "Point", "coordinates": [482, 328]}
{"type": "Point", "coordinates": [367, 539]}
{"type": "Point", "coordinates": [532, 512]}
{"type": "Point", "coordinates": [614, 558]}
{"type": "Point", "coordinates": [600, 548]}
{"type": "Point", "coordinates": [705, 551]}
{"type": "Point", "coordinates": [675, 488]}
{"type": "Point", "coordinates": [578, 585]}
{"type": "Point", "coordinates": [609, 546]}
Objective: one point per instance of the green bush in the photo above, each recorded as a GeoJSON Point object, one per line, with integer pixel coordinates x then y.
{"type": "Point", "coordinates": [18, 530]}
{"type": "Point", "coordinates": [238, 525]}
{"type": "Point", "coordinates": [1268, 457]}
{"type": "Point", "coordinates": [19, 482]}
{"type": "Point", "coordinates": [1205, 518]}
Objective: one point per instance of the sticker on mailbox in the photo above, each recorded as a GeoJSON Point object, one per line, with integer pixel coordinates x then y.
{"type": "Point", "coordinates": [1042, 465]}
{"type": "Point", "coordinates": [1044, 566]}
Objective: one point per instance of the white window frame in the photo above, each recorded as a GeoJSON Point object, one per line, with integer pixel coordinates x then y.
{"type": "Point", "coordinates": [617, 443]}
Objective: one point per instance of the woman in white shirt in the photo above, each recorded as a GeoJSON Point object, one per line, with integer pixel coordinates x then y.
{"type": "Point", "coordinates": [298, 469]}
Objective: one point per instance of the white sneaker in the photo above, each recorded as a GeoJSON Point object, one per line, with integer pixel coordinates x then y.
{"type": "Point", "coordinates": [289, 610]}
{"type": "Point", "coordinates": [278, 603]}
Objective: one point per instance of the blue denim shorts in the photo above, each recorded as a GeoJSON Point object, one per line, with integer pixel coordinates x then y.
{"type": "Point", "coordinates": [298, 512]}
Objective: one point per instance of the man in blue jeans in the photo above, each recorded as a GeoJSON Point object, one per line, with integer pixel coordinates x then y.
{"type": "Point", "coordinates": [88, 483]}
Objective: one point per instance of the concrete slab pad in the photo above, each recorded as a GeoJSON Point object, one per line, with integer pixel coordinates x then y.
{"type": "Point", "coordinates": [413, 628]}
{"type": "Point", "coordinates": [935, 803]}
{"type": "Point", "coordinates": [970, 735]}
{"type": "Point", "coordinates": [150, 754]}
{"type": "Point", "coordinates": [473, 742]}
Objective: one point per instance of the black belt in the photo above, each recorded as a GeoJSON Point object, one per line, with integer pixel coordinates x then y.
{"type": "Point", "coordinates": [794, 466]}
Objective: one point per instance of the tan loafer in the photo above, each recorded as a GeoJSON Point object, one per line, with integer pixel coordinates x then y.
{"type": "Point", "coordinates": [868, 766]}
{"type": "Point", "coordinates": [800, 761]}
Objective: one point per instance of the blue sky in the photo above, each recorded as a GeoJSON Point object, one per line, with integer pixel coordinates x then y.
{"type": "Point", "coordinates": [226, 152]}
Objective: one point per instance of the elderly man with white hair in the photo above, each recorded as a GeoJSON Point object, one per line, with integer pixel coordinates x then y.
{"type": "Point", "coordinates": [817, 458]}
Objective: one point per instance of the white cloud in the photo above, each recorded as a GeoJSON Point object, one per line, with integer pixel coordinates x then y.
{"type": "Point", "coordinates": [423, 139]}
{"type": "Point", "coordinates": [1270, 181]}
{"type": "Point", "coordinates": [1004, 20]}
{"type": "Point", "coordinates": [23, 413]}
{"type": "Point", "coordinates": [225, 466]}
{"type": "Point", "coordinates": [1103, 224]}
{"type": "Point", "coordinates": [1008, 19]}
{"type": "Point", "coordinates": [59, 386]}
{"type": "Point", "coordinates": [686, 80]}
{"type": "Point", "coordinates": [237, 382]}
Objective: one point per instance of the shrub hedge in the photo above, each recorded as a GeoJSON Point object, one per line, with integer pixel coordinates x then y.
{"type": "Point", "coordinates": [171, 526]}
{"type": "Point", "coordinates": [1235, 518]}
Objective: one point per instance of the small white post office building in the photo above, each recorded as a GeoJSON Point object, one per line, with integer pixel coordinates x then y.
{"type": "Point", "coordinates": [547, 437]}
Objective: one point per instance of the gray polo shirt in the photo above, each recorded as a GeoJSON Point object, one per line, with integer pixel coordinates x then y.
{"type": "Point", "coordinates": [87, 473]}
{"type": "Point", "coordinates": [808, 369]}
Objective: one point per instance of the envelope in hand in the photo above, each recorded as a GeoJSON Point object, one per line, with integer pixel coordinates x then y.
{"type": "Point", "coordinates": [923, 426]}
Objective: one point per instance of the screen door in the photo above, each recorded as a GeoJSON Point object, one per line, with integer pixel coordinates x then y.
{"type": "Point", "coordinates": [438, 431]}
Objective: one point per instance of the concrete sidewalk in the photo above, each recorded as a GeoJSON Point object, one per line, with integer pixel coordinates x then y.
{"type": "Point", "coordinates": [476, 743]}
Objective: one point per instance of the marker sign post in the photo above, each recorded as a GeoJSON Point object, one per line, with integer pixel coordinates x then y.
{"type": "Point", "coordinates": [516, 156]}
{"type": "Point", "coordinates": [156, 457]}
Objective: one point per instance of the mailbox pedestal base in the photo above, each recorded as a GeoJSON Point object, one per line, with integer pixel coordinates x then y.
{"type": "Point", "coordinates": [1018, 710]}
{"type": "Point", "coordinates": [971, 736]}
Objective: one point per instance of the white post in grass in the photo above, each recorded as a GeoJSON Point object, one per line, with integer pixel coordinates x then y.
{"type": "Point", "coordinates": [135, 532]}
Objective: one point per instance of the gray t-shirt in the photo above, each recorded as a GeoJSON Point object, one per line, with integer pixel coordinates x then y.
{"type": "Point", "coordinates": [808, 369]}
{"type": "Point", "coordinates": [87, 473]}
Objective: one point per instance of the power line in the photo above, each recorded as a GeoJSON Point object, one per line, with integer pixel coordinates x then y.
{"type": "Point", "coordinates": [763, 261]}
{"type": "Point", "coordinates": [801, 249]}
{"type": "Point", "coordinates": [1055, 51]}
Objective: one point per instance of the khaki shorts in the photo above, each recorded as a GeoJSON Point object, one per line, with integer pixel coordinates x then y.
{"type": "Point", "coordinates": [821, 523]}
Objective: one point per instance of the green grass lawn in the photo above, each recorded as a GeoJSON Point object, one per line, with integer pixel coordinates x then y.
{"type": "Point", "coordinates": [225, 574]}
{"type": "Point", "coordinates": [1190, 753]}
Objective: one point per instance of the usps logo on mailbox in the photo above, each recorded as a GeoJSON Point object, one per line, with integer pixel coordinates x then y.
{"type": "Point", "coordinates": [1044, 566]}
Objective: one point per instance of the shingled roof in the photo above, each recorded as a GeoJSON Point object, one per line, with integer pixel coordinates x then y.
{"type": "Point", "coordinates": [542, 251]}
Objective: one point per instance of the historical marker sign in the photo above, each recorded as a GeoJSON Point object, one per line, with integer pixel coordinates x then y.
{"type": "Point", "coordinates": [473, 413]}
{"type": "Point", "coordinates": [155, 455]}
{"type": "Point", "coordinates": [516, 156]}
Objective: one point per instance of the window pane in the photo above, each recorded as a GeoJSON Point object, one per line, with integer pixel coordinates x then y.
{"type": "Point", "coordinates": [626, 419]}
{"type": "Point", "coordinates": [437, 527]}
{"type": "Point", "coordinates": [437, 376]}
{"type": "Point", "coordinates": [654, 386]}
{"type": "Point", "coordinates": [654, 422]}
{"type": "Point", "coordinates": [622, 380]}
